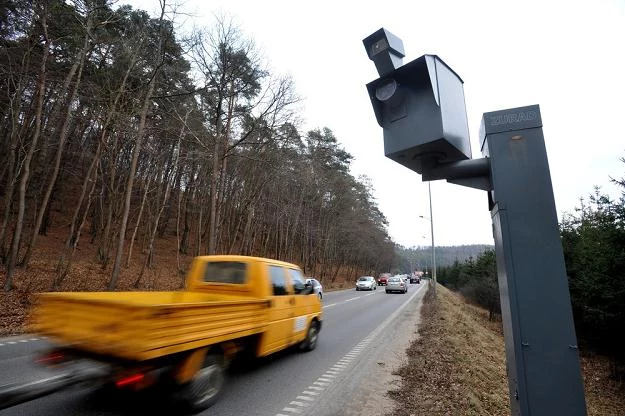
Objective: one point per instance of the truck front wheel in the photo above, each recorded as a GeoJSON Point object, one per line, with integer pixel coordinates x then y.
{"type": "Point", "coordinates": [204, 388]}
{"type": "Point", "coordinates": [310, 342]}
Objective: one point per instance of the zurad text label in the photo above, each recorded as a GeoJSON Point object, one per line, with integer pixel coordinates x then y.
{"type": "Point", "coordinates": [512, 118]}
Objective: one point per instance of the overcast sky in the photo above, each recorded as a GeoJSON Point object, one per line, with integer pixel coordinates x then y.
{"type": "Point", "coordinates": [566, 56]}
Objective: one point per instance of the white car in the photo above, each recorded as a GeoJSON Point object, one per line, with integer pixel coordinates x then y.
{"type": "Point", "coordinates": [316, 286]}
{"type": "Point", "coordinates": [366, 283]}
{"type": "Point", "coordinates": [403, 277]}
{"type": "Point", "coordinates": [396, 284]}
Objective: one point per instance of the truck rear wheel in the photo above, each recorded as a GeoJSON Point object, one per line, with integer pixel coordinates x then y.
{"type": "Point", "coordinates": [204, 388]}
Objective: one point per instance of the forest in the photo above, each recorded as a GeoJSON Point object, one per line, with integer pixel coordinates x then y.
{"type": "Point", "coordinates": [118, 132]}
{"type": "Point", "coordinates": [420, 258]}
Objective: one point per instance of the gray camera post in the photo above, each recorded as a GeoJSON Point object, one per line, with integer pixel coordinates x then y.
{"type": "Point", "coordinates": [421, 109]}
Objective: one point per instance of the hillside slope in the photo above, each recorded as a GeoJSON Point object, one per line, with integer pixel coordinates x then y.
{"type": "Point", "coordinates": [457, 366]}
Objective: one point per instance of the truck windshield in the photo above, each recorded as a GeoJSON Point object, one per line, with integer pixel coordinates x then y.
{"type": "Point", "coordinates": [225, 272]}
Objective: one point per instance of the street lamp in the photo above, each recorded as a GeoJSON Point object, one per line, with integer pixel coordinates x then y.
{"type": "Point", "coordinates": [426, 266]}
{"type": "Point", "coordinates": [431, 220]}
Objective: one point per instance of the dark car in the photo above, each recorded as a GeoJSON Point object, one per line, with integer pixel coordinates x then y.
{"type": "Point", "coordinates": [383, 278]}
{"type": "Point", "coordinates": [415, 279]}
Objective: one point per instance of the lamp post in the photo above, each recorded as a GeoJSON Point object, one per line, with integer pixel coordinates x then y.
{"type": "Point", "coordinates": [431, 220]}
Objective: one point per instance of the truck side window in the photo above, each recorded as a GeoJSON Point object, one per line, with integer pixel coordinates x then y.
{"type": "Point", "coordinates": [298, 281]}
{"type": "Point", "coordinates": [278, 281]}
{"type": "Point", "coordinates": [225, 272]}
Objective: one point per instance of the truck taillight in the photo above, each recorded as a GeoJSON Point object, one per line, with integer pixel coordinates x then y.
{"type": "Point", "coordinates": [133, 379]}
{"type": "Point", "coordinates": [51, 357]}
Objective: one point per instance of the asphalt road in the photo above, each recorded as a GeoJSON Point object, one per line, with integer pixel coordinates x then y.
{"type": "Point", "coordinates": [359, 330]}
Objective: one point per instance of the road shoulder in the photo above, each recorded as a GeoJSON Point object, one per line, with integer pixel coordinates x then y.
{"type": "Point", "coordinates": [388, 354]}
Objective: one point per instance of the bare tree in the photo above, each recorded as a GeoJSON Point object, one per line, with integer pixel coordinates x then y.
{"type": "Point", "coordinates": [147, 103]}
{"type": "Point", "coordinates": [75, 70]}
{"type": "Point", "coordinates": [41, 9]}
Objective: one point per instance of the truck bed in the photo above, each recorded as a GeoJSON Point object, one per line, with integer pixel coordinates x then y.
{"type": "Point", "coordinates": [144, 325]}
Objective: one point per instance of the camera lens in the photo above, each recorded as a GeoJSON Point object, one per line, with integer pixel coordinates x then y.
{"type": "Point", "coordinates": [385, 91]}
{"type": "Point", "coordinates": [379, 46]}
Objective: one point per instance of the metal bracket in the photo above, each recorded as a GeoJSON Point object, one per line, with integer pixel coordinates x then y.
{"type": "Point", "coordinates": [474, 173]}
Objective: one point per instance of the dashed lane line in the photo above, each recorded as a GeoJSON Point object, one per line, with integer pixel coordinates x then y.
{"type": "Point", "coordinates": [304, 400]}
{"type": "Point", "coordinates": [347, 300]}
{"type": "Point", "coordinates": [19, 341]}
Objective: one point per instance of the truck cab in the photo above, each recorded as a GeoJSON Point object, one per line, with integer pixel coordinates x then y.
{"type": "Point", "coordinates": [291, 310]}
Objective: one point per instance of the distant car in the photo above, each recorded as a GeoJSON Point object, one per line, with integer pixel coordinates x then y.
{"type": "Point", "coordinates": [403, 277]}
{"type": "Point", "coordinates": [383, 278]}
{"type": "Point", "coordinates": [415, 279]}
{"type": "Point", "coordinates": [316, 286]}
{"type": "Point", "coordinates": [396, 284]}
{"type": "Point", "coordinates": [366, 283]}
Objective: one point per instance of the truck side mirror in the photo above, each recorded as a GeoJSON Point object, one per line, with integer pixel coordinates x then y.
{"type": "Point", "coordinates": [309, 289]}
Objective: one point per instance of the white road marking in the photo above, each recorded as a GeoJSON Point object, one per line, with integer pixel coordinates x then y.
{"type": "Point", "coordinates": [327, 378]}
{"type": "Point", "coordinates": [19, 341]}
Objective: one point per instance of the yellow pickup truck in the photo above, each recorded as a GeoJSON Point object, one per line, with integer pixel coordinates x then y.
{"type": "Point", "coordinates": [231, 304]}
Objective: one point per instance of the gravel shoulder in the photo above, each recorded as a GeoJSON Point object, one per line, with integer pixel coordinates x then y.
{"type": "Point", "coordinates": [388, 354]}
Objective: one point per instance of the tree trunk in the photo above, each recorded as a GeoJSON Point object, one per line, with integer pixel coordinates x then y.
{"type": "Point", "coordinates": [139, 216]}
{"type": "Point", "coordinates": [158, 215]}
{"type": "Point", "coordinates": [133, 165]}
{"type": "Point", "coordinates": [214, 179]}
{"type": "Point", "coordinates": [78, 66]}
{"type": "Point", "coordinates": [64, 266]}
{"type": "Point", "coordinates": [12, 172]}
{"type": "Point", "coordinates": [41, 86]}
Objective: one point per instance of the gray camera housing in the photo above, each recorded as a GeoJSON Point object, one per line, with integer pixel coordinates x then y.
{"type": "Point", "coordinates": [385, 50]}
{"type": "Point", "coordinates": [421, 109]}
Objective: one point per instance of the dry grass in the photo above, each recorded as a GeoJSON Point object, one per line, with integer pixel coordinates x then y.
{"type": "Point", "coordinates": [457, 366]}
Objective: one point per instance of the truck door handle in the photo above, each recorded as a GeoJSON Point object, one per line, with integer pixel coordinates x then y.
{"type": "Point", "coordinates": [292, 301]}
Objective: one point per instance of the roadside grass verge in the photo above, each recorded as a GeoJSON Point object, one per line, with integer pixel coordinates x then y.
{"type": "Point", "coordinates": [456, 366]}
